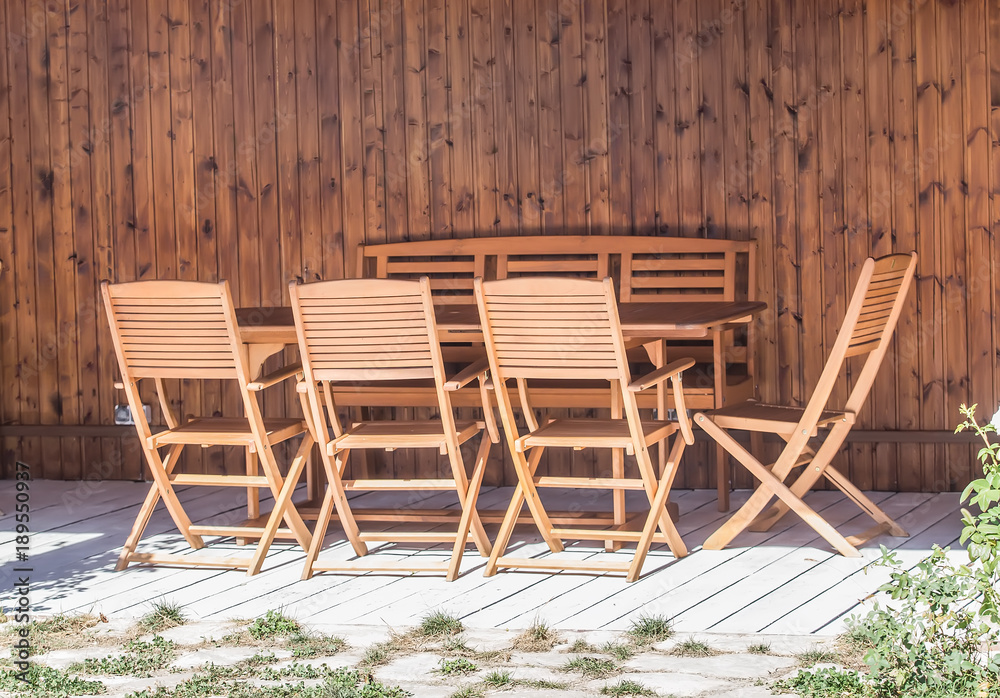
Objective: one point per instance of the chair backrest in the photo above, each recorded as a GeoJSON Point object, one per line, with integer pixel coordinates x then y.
{"type": "Point", "coordinates": [366, 330]}
{"type": "Point", "coordinates": [552, 328]}
{"type": "Point", "coordinates": [173, 329]}
{"type": "Point", "coordinates": [868, 325]}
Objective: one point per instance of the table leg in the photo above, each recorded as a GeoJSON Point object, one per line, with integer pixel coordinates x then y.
{"type": "Point", "coordinates": [657, 351]}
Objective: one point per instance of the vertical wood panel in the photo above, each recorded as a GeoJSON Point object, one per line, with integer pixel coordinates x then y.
{"type": "Point", "coordinates": [263, 140]}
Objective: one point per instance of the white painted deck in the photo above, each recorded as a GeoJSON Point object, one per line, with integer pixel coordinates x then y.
{"type": "Point", "coordinates": [784, 581]}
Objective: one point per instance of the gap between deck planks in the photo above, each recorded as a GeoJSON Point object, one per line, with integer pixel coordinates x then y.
{"type": "Point", "coordinates": [782, 581]}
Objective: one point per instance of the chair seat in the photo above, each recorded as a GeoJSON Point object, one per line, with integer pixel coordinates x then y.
{"type": "Point", "coordinates": [777, 419]}
{"type": "Point", "coordinates": [401, 434]}
{"type": "Point", "coordinates": [607, 433]}
{"type": "Point", "coordinates": [226, 431]}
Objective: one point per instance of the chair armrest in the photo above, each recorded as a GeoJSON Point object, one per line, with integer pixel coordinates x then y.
{"type": "Point", "coordinates": [659, 375]}
{"type": "Point", "coordinates": [283, 373]}
{"type": "Point", "coordinates": [467, 375]}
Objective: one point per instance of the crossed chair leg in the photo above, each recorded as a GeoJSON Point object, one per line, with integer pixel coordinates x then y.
{"type": "Point", "coordinates": [657, 525]}
{"type": "Point", "coordinates": [752, 514]}
{"type": "Point", "coordinates": [162, 488]}
{"type": "Point", "coordinates": [470, 527]}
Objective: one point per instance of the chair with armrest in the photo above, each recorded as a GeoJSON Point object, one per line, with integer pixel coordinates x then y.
{"type": "Point", "coordinates": [568, 329]}
{"type": "Point", "coordinates": [379, 330]}
{"type": "Point", "coordinates": [187, 330]}
{"type": "Point", "coordinates": [867, 328]}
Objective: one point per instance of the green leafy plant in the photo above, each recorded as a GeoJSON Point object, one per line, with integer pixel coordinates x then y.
{"type": "Point", "coordinates": [43, 682]}
{"type": "Point", "coordinates": [457, 667]}
{"type": "Point", "coordinates": [273, 624]}
{"type": "Point", "coordinates": [933, 639]}
{"type": "Point", "coordinates": [140, 659]}
{"type": "Point", "coordinates": [981, 534]}
{"type": "Point", "coordinates": [827, 682]}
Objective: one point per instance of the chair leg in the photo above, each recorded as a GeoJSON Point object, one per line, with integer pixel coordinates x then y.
{"type": "Point", "coordinates": [146, 510]}
{"type": "Point", "coordinates": [292, 517]}
{"type": "Point", "coordinates": [334, 473]}
{"type": "Point", "coordinates": [281, 503]}
{"type": "Point", "coordinates": [617, 470]}
{"type": "Point", "coordinates": [253, 493]}
{"type": "Point", "coordinates": [723, 482]}
{"type": "Point", "coordinates": [469, 513]}
{"type": "Point", "coordinates": [325, 512]}
{"type": "Point", "coordinates": [518, 499]}
{"type": "Point", "coordinates": [770, 486]}
{"type": "Point", "coordinates": [658, 517]}
{"type": "Point", "coordinates": [483, 545]}
{"type": "Point", "coordinates": [810, 476]}
{"type": "Point", "coordinates": [864, 503]}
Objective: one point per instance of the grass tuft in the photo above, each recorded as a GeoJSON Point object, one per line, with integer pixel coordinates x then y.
{"type": "Point", "coordinates": [164, 615]}
{"type": "Point", "coordinates": [618, 650]}
{"type": "Point", "coordinates": [468, 692]}
{"type": "Point", "coordinates": [692, 648]}
{"type": "Point", "coordinates": [378, 654]}
{"type": "Point", "coordinates": [627, 687]}
{"type": "Point", "coordinates": [306, 645]}
{"type": "Point", "coordinates": [439, 624]}
{"type": "Point", "coordinates": [538, 637]}
{"type": "Point", "coordinates": [592, 667]}
{"type": "Point", "coordinates": [817, 655]}
{"type": "Point", "coordinates": [649, 629]}
{"type": "Point", "coordinates": [759, 648]}
{"type": "Point", "coordinates": [499, 679]}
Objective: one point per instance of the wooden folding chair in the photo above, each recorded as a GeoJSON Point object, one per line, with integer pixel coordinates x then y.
{"type": "Point", "coordinates": [373, 330]}
{"type": "Point", "coordinates": [187, 330]}
{"type": "Point", "coordinates": [568, 329]}
{"type": "Point", "coordinates": [868, 326]}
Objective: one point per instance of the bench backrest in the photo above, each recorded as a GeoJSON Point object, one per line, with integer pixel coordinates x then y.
{"type": "Point", "coordinates": [651, 268]}
{"type": "Point", "coordinates": [687, 269]}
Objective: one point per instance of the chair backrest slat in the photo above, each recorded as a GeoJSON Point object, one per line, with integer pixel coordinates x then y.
{"type": "Point", "coordinates": [889, 277]}
{"type": "Point", "coordinates": [365, 329]}
{"type": "Point", "coordinates": [553, 328]}
{"type": "Point", "coordinates": [172, 329]}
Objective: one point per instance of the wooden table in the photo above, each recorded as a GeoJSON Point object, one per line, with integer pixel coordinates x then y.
{"type": "Point", "coordinates": [266, 331]}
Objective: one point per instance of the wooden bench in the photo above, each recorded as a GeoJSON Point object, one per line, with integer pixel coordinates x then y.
{"type": "Point", "coordinates": [646, 268]}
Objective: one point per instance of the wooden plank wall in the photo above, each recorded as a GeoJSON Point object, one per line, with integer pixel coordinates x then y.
{"type": "Point", "coordinates": [263, 140]}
